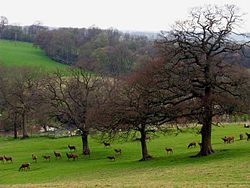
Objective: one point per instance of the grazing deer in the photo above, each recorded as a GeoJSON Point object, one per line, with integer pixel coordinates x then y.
{"type": "Point", "coordinates": [169, 150]}
{"type": "Point", "coordinates": [72, 148]}
{"type": "Point", "coordinates": [118, 151]}
{"type": "Point", "coordinates": [8, 158]}
{"type": "Point", "coordinates": [112, 158]}
{"type": "Point", "coordinates": [228, 140]}
{"type": "Point", "coordinates": [241, 136]}
{"type": "Point", "coordinates": [1, 158]}
{"type": "Point", "coordinates": [58, 155]}
{"type": "Point", "coordinates": [25, 166]}
{"type": "Point", "coordinates": [46, 157]}
{"type": "Point", "coordinates": [34, 158]}
{"type": "Point", "coordinates": [192, 144]}
{"type": "Point", "coordinates": [248, 136]}
{"type": "Point", "coordinates": [225, 139]}
{"type": "Point", "coordinates": [106, 144]}
{"type": "Point", "coordinates": [72, 156]}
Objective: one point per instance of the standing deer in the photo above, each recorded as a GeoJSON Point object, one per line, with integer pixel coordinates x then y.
{"type": "Point", "coordinates": [106, 144]}
{"type": "Point", "coordinates": [58, 155]}
{"type": "Point", "coordinates": [25, 166]}
{"type": "Point", "coordinates": [72, 148]}
{"type": "Point", "coordinates": [71, 156]}
{"type": "Point", "coordinates": [112, 158]}
{"type": "Point", "coordinates": [169, 150]}
{"type": "Point", "coordinates": [192, 144]}
{"type": "Point", "coordinates": [248, 136]}
{"type": "Point", "coordinates": [34, 158]}
{"type": "Point", "coordinates": [118, 151]}
{"type": "Point", "coordinates": [8, 158]}
{"type": "Point", "coordinates": [46, 157]}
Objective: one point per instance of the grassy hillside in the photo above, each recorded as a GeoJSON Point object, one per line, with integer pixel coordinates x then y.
{"type": "Point", "coordinates": [14, 54]}
{"type": "Point", "coordinates": [228, 167]}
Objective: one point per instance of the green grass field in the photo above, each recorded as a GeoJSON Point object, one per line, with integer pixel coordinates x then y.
{"type": "Point", "coordinates": [228, 167]}
{"type": "Point", "coordinates": [15, 54]}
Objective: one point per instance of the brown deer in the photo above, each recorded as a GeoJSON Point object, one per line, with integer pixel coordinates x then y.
{"type": "Point", "coordinates": [34, 158]}
{"type": "Point", "coordinates": [228, 140]}
{"type": "Point", "coordinates": [71, 156]}
{"type": "Point", "coordinates": [46, 157]}
{"type": "Point", "coordinates": [112, 158]}
{"type": "Point", "coordinates": [72, 148]}
{"type": "Point", "coordinates": [169, 150]}
{"type": "Point", "coordinates": [58, 155]}
{"type": "Point", "coordinates": [25, 166]}
{"type": "Point", "coordinates": [192, 144]}
{"type": "Point", "coordinates": [106, 144]}
{"type": "Point", "coordinates": [1, 158]}
{"type": "Point", "coordinates": [241, 136]}
{"type": "Point", "coordinates": [8, 158]}
{"type": "Point", "coordinates": [248, 136]}
{"type": "Point", "coordinates": [118, 151]}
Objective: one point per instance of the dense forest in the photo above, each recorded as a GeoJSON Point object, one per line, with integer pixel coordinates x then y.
{"type": "Point", "coordinates": [108, 51]}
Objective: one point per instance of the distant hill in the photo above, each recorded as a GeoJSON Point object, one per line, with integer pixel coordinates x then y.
{"type": "Point", "coordinates": [14, 54]}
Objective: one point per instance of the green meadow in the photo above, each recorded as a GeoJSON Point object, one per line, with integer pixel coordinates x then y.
{"type": "Point", "coordinates": [229, 166]}
{"type": "Point", "coordinates": [23, 54]}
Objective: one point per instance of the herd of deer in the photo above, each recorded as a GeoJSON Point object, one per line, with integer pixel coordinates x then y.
{"type": "Point", "coordinates": [226, 139]}
{"type": "Point", "coordinates": [26, 166]}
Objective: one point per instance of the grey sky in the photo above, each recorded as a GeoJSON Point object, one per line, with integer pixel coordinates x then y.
{"type": "Point", "coordinates": [141, 15]}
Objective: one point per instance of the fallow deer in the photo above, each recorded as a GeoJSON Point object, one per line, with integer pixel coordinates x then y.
{"type": "Point", "coordinates": [8, 158]}
{"type": "Point", "coordinates": [58, 155]}
{"type": "Point", "coordinates": [25, 166]}
{"type": "Point", "coordinates": [169, 150]}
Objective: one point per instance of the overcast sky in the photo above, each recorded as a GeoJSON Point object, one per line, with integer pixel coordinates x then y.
{"type": "Point", "coordinates": [136, 15]}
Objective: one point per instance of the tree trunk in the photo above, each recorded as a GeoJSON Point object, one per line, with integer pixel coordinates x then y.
{"type": "Point", "coordinates": [206, 131]}
{"type": "Point", "coordinates": [15, 130]}
{"type": "Point", "coordinates": [25, 134]}
{"type": "Point", "coordinates": [206, 146]}
{"type": "Point", "coordinates": [144, 149]}
{"type": "Point", "coordinates": [85, 145]}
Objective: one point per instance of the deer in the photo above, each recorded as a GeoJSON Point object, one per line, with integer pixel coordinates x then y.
{"type": "Point", "coordinates": [46, 157]}
{"type": "Point", "coordinates": [169, 150]}
{"type": "Point", "coordinates": [72, 148]}
{"type": "Point", "coordinates": [1, 158]}
{"type": "Point", "coordinates": [106, 144]}
{"type": "Point", "coordinates": [192, 144]}
{"type": "Point", "coordinates": [118, 151]}
{"type": "Point", "coordinates": [112, 158]}
{"type": "Point", "coordinates": [58, 155]}
{"type": "Point", "coordinates": [71, 156]}
{"type": "Point", "coordinates": [248, 136]}
{"type": "Point", "coordinates": [25, 166]}
{"type": "Point", "coordinates": [228, 139]}
{"type": "Point", "coordinates": [34, 158]}
{"type": "Point", "coordinates": [8, 158]}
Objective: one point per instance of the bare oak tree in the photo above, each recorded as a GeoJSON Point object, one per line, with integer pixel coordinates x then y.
{"type": "Point", "coordinates": [70, 97]}
{"type": "Point", "coordinates": [205, 84]}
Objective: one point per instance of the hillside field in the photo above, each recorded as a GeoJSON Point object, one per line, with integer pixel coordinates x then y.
{"type": "Point", "coordinates": [20, 54]}
{"type": "Point", "coordinates": [228, 167]}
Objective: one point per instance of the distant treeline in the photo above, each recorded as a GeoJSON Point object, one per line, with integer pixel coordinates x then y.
{"type": "Point", "coordinates": [109, 51]}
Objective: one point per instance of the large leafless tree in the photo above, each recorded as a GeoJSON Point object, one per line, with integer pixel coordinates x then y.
{"type": "Point", "coordinates": [205, 84]}
{"type": "Point", "coordinates": [70, 97]}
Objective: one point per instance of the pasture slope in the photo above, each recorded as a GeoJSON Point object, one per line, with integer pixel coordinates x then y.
{"type": "Point", "coordinates": [228, 167]}
{"type": "Point", "coordinates": [20, 54]}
